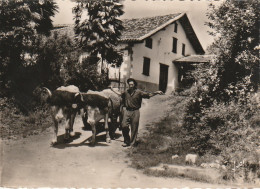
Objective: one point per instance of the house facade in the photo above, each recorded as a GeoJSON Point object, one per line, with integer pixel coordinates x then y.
{"type": "Point", "coordinates": [150, 48]}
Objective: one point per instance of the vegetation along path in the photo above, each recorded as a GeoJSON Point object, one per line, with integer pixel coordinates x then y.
{"type": "Point", "coordinates": [31, 162]}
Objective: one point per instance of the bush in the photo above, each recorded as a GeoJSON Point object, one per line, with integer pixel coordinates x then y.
{"type": "Point", "coordinates": [14, 124]}
{"type": "Point", "coordinates": [87, 76]}
{"type": "Point", "coordinates": [164, 138]}
{"type": "Point", "coordinates": [223, 126]}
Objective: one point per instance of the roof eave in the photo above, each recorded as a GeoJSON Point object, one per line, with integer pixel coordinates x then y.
{"type": "Point", "coordinates": [129, 40]}
{"type": "Point", "coordinates": [191, 34]}
{"type": "Point", "coordinates": [203, 59]}
{"type": "Point", "coordinates": [160, 27]}
{"type": "Point", "coordinates": [191, 62]}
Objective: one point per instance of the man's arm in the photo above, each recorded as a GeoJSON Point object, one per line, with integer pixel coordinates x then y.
{"type": "Point", "coordinates": [149, 94]}
{"type": "Point", "coordinates": [156, 93]}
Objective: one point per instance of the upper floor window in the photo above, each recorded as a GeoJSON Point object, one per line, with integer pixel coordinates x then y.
{"type": "Point", "coordinates": [146, 66]}
{"type": "Point", "coordinates": [174, 45]}
{"type": "Point", "coordinates": [183, 49]}
{"type": "Point", "coordinates": [175, 27]}
{"type": "Point", "coordinates": [149, 43]}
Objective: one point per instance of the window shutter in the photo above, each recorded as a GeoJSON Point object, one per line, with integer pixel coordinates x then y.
{"type": "Point", "coordinates": [174, 45]}
{"type": "Point", "coordinates": [175, 27]}
{"type": "Point", "coordinates": [149, 43]}
{"type": "Point", "coordinates": [146, 66]}
{"type": "Point", "coordinates": [183, 49]}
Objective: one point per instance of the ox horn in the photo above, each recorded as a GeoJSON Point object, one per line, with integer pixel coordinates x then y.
{"type": "Point", "coordinates": [49, 92]}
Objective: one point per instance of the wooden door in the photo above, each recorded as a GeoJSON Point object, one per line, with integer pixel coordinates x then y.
{"type": "Point", "coordinates": [163, 80]}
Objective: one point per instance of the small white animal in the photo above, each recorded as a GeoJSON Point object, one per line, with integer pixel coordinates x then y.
{"type": "Point", "coordinates": [191, 158]}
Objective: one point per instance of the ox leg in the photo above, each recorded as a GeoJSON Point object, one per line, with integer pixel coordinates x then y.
{"type": "Point", "coordinates": [121, 115]}
{"type": "Point", "coordinates": [55, 132]}
{"type": "Point", "coordinates": [85, 122]}
{"type": "Point", "coordinates": [112, 127]}
{"type": "Point", "coordinates": [108, 140]}
{"type": "Point", "coordinates": [71, 122]}
{"type": "Point", "coordinates": [84, 115]}
{"type": "Point", "coordinates": [94, 132]}
{"type": "Point", "coordinates": [67, 129]}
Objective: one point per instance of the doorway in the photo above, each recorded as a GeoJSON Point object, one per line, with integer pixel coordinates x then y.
{"type": "Point", "coordinates": [163, 78]}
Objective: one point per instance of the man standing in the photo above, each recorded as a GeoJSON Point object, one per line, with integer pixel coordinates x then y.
{"type": "Point", "coordinates": [132, 99]}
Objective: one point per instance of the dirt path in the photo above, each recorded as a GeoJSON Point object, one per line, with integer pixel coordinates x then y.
{"type": "Point", "coordinates": [31, 162]}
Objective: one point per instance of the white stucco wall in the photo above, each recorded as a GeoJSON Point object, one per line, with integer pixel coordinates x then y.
{"type": "Point", "coordinates": [161, 52]}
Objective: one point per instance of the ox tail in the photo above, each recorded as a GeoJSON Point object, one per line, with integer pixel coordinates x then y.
{"type": "Point", "coordinates": [48, 90]}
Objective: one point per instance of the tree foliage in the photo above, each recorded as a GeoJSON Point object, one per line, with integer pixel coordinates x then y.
{"type": "Point", "coordinates": [236, 26]}
{"type": "Point", "coordinates": [59, 64]}
{"type": "Point", "coordinates": [46, 9]}
{"type": "Point", "coordinates": [99, 33]}
{"type": "Point", "coordinates": [21, 21]}
{"type": "Point", "coordinates": [56, 61]}
{"type": "Point", "coordinates": [222, 106]}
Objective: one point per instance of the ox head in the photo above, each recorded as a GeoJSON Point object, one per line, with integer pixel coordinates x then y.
{"type": "Point", "coordinates": [93, 114]}
{"type": "Point", "coordinates": [95, 106]}
{"type": "Point", "coordinates": [45, 94]}
{"type": "Point", "coordinates": [62, 97]}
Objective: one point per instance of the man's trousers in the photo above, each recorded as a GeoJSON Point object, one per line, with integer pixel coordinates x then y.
{"type": "Point", "coordinates": [130, 119]}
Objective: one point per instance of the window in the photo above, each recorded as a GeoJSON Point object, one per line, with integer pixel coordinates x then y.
{"type": "Point", "coordinates": [175, 27]}
{"type": "Point", "coordinates": [174, 45]}
{"type": "Point", "coordinates": [183, 49]}
{"type": "Point", "coordinates": [149, 43]}
{"type": "Point", "coordinates": [146, 66]}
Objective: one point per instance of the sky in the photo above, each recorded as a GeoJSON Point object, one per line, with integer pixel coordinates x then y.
{"type": "Point", "coordinates": [195, 9]}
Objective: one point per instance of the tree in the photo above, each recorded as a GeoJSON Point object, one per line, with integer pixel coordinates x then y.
{"type": "Point", "coordinates": [236, 26]}
{"type": "Point", "coordinates": [221, 106]}
{"type": "Point", "coordinates": [99, 33]}
{"type": "Point", "coordinates": [46, 9]}
{"type": "Point", "coordinates": [58, 64]}
{"type": "Point", "coordinates": [20, 21]}
{"type": "Point", "coordinates": [56, 61]}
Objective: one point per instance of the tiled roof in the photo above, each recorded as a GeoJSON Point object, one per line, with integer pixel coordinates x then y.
{"type": "Point", "coordinates": [195, 59]}
{"type": "Point", "coordinates": [138, 29]}
{"type": "Point", "coordinates": [135, 29]}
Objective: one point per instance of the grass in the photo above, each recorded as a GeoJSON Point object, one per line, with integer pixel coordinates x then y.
{"type": "Point", "coordinates": [14, 124]}
{"type": "Point", "coordinates": [164, 139]}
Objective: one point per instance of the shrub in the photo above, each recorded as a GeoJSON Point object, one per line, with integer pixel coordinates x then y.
{"type": "Point", "coordinates": [14, 124]}
{"type": "Point", "coordinates": [221, 107]}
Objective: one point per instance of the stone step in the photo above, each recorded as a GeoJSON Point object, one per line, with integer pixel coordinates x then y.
{"type": "Point", "coordinates": [197, 173]}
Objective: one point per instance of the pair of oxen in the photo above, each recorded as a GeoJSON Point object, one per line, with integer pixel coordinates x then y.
{"type": "Point", "coordinates": [94, 106]}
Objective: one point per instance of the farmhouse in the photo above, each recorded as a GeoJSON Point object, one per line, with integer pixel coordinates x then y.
{"type": "Point", "coordinates": [153, 49]}
{"type": "Point", "coordinates": [157, 51]}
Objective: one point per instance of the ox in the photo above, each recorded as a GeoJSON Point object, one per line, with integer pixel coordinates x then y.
{"type": "Point", "coordinates": [63, 105]}
{"type": "Point", "coordinates": [96, 107]}
{"type": "Point", "coordinates": [115, 109]}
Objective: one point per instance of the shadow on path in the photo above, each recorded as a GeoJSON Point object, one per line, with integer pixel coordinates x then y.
{"type": "Point", "coordinates": [100, 139]}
